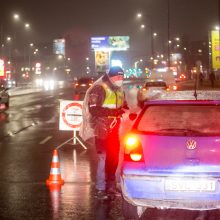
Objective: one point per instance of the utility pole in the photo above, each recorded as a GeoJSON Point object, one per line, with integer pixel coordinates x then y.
{"type": "Point", "coordinates": [2, 40]}
{"type": "Point", "coordinates": [152, 42]}
{"type": "Point", "coordinates": [168, 33]}
{"type": "Point", "coordinates": [219, 24]}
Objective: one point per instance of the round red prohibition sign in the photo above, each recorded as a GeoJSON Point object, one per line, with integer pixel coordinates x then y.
{"type": "Point", "coordinates": [72, 115]}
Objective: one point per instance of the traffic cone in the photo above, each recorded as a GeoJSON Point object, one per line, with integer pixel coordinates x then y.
{"type": "Point", "coordinates": [55, 176]}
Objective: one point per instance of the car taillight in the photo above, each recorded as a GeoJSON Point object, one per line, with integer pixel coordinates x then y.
{"type": "Point", "coordinates": [76, 84]}
{"type": "Point", "coordinates": [90, 84]}
{"type": "Point", "coordinates": [133, 149]}
{"type": "Point", "coordinates": [174, 87]}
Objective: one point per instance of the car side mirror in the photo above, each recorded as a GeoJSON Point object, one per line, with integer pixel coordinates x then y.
{"type": "Point", "coordinates": [132, 116]}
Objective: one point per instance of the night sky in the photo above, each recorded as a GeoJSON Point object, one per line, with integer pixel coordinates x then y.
{"type": "Point", "coordinates": [52, 18]}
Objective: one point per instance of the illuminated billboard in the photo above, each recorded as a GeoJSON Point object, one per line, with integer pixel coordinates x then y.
{"type": "Point", "coordinates": [2, 69]}
{"type": "Point", "coordinates": [59, 46]}
{"type": "Point", "coordinates": [102, 60]}
{"type": "Point", "coordinates": [215, 49]}
{"type": "Point", "coordinates": [110, 43]}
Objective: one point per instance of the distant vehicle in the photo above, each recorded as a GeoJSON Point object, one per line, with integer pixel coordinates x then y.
{"type": "Point", "coordinates": [153, 87]}
{"type": "Point", "coordinates": [9, 83]}
{"type": "Point", "coordinates": [181, 77]}
{"type": "Point", "coordinates": [82, 84]}
{"type": "Point", "coordinates": [4, 98]}
{"type": "Point", "coordinates": [171, 157]}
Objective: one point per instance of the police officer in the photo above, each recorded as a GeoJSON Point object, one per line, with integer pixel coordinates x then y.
{"type": "Point", "coordinates": [102, 111]}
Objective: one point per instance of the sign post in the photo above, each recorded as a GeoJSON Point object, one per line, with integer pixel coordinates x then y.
{"type": "Point", "coordinates": [71, 119]}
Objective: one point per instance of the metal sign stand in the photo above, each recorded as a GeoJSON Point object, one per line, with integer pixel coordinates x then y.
{"type": "Point", "coordinates": [74, 140]}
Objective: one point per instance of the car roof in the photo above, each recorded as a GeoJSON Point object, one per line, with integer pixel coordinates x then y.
{"type": "Point", "coordinates": [188, 95]}
{"type": "Point", "coordinates": [182, 102]}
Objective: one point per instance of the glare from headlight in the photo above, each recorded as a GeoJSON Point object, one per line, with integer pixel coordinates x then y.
{"type": "Point", "coordinates": [49, 84]}
{"type": "Point", "coordinates": [39, 82]}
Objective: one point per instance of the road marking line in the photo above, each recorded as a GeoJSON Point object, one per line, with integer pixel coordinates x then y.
{"type": "Point", "coordinates": [46, 139]}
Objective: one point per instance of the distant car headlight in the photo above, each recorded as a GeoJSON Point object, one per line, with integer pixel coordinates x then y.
{"type": "Point", "coordinates": [39, 82]}
{"type": "Point", "coordinates": [49, 84]}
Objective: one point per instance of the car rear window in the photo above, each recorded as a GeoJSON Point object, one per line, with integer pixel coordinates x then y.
{"type": "Point", "coordinates": [156, 84]}
{"type": "Point", "coordinates": [85, 80]}
{"type": "Point", "coordinates": [181, 120]}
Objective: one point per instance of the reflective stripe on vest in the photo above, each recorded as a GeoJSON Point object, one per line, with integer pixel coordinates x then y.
{"type": "Point", "coordinates": [113, 100]}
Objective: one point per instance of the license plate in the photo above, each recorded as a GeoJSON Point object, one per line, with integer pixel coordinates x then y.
{"type": "Point", "coordinates": [190, 185]}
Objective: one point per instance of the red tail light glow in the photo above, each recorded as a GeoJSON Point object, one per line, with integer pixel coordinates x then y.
{"type": "Point", "coordinates": [136, 157]}
{"type": "Point", "coordinates": [133, 148]}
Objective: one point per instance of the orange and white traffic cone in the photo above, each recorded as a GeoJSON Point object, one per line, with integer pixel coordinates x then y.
{"type": "Point", "coordinates": [55, 176]}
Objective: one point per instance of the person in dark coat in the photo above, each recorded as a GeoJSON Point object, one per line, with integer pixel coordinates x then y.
{"type": "Point", "coordinates": [105, 101]}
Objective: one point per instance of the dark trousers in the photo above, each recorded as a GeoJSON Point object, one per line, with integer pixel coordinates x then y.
{"type": "Point", "coordinates": [111, 147]}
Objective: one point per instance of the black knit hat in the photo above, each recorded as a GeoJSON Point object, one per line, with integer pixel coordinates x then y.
{"type": "Point", "coordinates": [115, 71]}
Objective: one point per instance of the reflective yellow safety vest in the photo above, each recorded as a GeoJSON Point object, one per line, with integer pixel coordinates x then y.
{"type": "Point", "coordinates": [113, 99]}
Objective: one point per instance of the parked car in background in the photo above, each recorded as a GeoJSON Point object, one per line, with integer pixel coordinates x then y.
{"type": "Point", "coordinates": [82, 84]}
{"type": "Point", "coordinates": [152, 88]}
{"type": "Point", "coordinates": [10, 83]}
{"type": "Point", "coordinates": [4, 98]}
{"type": "Point", "coordinates": [171, 157]}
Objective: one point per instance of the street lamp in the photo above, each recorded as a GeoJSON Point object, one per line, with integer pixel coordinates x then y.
{"type": "Point", "coordinates": [139, 15]}
{"type": "Point", "coordinates": [8, 39]}
{"type": "Point", "coordinates": [136, 63]}
{"type": "Point", "coordinates": [152, 34]}
{"type": "Point", "coordinates": [27, 26]}
{"type": "Point", "coordinates": [16, 17]}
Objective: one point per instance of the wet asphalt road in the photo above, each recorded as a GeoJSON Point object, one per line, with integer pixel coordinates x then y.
{"type": "Point", "coordinates": [29, 133]}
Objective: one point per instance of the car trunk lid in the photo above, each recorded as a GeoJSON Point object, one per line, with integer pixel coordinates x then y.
{"type": "Point", "coordinates": [182, 154]}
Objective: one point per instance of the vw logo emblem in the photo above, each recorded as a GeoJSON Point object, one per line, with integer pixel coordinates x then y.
{"type": "Point", "coordinates": [191, 144]}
